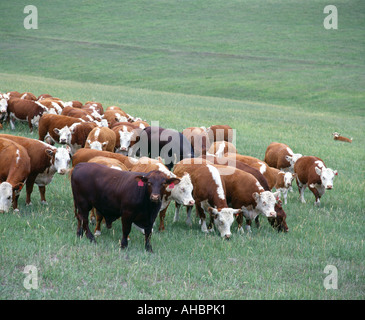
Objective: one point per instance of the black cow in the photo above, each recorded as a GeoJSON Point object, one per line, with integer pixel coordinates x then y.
{"type": "Point", "coordinates": [171, 145]}
{"type": "Point", "coordinates": [134, 196]}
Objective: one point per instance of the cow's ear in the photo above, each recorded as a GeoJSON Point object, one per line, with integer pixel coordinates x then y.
{"type": "Point", "coordinates": [289, 158]}
{"type": "Point", "coordinates": [18, 187]}
{"type": "Point", "coordinates": [141, 178]}
{"type": "Point", "coordinates": [318, 171]}
{"type": "Point", "coordinates": [213, 212]}
{"type": "Point", "coordinates": [49, 152]}
{"type": "Point", "coordinates": [105, 143]}
{"type": "Point", "coordinates": [237, 212]}
{"type": "Point", "coordinates": [56, 131]}
{"type": "Point", "coordinates": [172, 181]}
{"type": "Point", "coordinates": [256, 196]}
{"type": "Point", "coordinates": [335, 172]}
{"type": "Point", "coordinates": [277, 195]}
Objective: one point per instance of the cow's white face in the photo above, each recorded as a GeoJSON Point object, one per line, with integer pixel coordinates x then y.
{"type": "Point", "coordinates": [125, 139]}
{"type": "Point", "coordinates": [3, 105]}
{"type": "Point", "coordinates": [6, 196]}
{"type": "Point", "coordinates": [327, 175]}
{"type": "Point", "coordinates": [288, 179]}
{"type": "Point", "coordinates": [182, 192]}
{"type": "Point", "coordinates": [265, 202]}
{"type": "Point", "coordinates": [97, 145]}
{"type": "Point", "coordinates": [223, 220]}
{"type": "Point", "coordinates": [62, 160]}
{"type": "Point", "coordinates": [65, 135]}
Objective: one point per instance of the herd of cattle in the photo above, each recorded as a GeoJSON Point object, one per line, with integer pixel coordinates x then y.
{"type": "Point", "coordinates": [123, 167]}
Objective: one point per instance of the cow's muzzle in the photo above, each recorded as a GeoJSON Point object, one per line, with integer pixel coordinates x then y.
{"type": "Point", "coordinates": [329, 187]}
{"type": "Point", "coordinates": [155, 197]}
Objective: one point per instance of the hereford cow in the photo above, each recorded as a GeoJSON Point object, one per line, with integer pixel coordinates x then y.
{"type": "Point", "coordinates": [45, 161]}
{"type": "Point", "coordinates": [280, 180]}
{"type": "Point", "coordinates": [133, 196]}
{"type": "Point", "coordinates": [25, 110]}
{"type": "Point", "coordinates": [84, 114]}
{"type": "Point", "coordinates": [219, 148]}
{"type": "Point", "coordinates": [311, 172]}
{"type": "Point", "coordinates": [199, 139]}
{"type": "Point", "coordinates": [14, 170]}
{"type": "Point", "coordinates": [114, 116]}
{"type": "Point", "coordinates": [126, 134]}
{"type": "Point", "coordinates": [181, 194]}
{"type": "Point", "coordinates": [96, 106]}
{"type": "Point", "coordinates": [221, 133]}
{"type": "Point", "coordinates": [337, 136]}
{"type": "Point", "coordinates": [209, 196]}
{"type": "Point", "coordinates": [84, 155]}
{"type": "Point", "coordinates": [280, 156]}
{"type": "Point", "coordinates": [171, 145]}
{"type": "Point", "coordinates": [101, 139]}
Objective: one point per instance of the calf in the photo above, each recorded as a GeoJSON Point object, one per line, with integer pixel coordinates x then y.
{"type": "Point", "coordinates": [25, 110]}
{"type": "Point", "coordinates": [45, 161]}
{"type": "Point", "coordinates": [181, 194]}
{"type": "Point", "coordinates": [171, 145]}
{"type": "Point", "coordinates": [311, 172]}
{"type": "Point", "coordinates": [133, 196]}
{"type": "Point", "coordinates": [14, 170]}
{"type": "Point", "coordinates": [280, 156]}
{"type": "Point", "coordinates": [209, 195]}
{"type": "Point", "coordinates": [101, 139]}
{"type": "Point", "coordinates": [337, 136]}
{"type": "Point", "coordinates": [84, 155]}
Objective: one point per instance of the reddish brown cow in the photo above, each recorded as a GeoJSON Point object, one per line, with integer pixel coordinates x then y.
{"type": "Point", "coordinates": [280, 156]}
{"type": "Point", "coordinates": [25, 110]}
{"type": "Point", "coordinates": [45, 161]}
{"type": "Point", "coordinates": [97, 106]}
{"type": "Point", "coordinates": [14, 170]}
{"type": "Point", "coordinates": [311, 172]}
{"type": "Point", "coordinates": [337, 136]}
{"type": "Point", "coordinates": [101, 139]}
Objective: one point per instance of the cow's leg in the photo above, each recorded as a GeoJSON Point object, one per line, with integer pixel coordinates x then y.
{"type": "Point", "coordinates": [42, 192]}
{"type": "Point", "coordinates": [12, 125]}
{"type": "Point", "coordinates": [147, 235]}
{"type": "Point", "coordinates": [162, 219]}
{"type": "Point", "coordinates": [301, 189]}
{"type": "Point", "coordinates": [257, 222]}
{"type": "Point", "coordinates": [177, 210]}
{"type": "Point", "coordinates": [82, 215]}
{"type": "Point", "coordinates": [126, 227]}
{"type": "Point", "coordinates": [201, 214]}
{"type": "Point", "coordinates": [316, 194]}
{"type": "Point", "coordinates": [248, 225]}
{"type": "Point", "coordinates": [239, 220]}
{"type": "Point", "coordinates": [188, 214]}
{"type": "Point", "coordinates": [99, 219]}
{"type": "Point", "coordinates": [29, 188]}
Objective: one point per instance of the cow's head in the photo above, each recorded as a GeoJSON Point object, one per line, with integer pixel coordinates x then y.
{"type": "Point", "coordinates": [288, 179]}
{"type": "Point", "coordinates": [265, 202]}
{"type": "Point", "coordinates": [65, 134]}
{"type": "Point", "coordinates": [156, 183]}
{"type": "Point", "coordinates": [125, 140]}
{"type": "Point", "coordinates": [97, 145]}
{"type": "Point", "coordinates": [3, 104]}
{"type": "Point", "coordinates": [327, 175]}
{"type": "Point", "coordinates": [60, 159]}
{"type": "Point", "coordinates": [6, 195]}
{"type": "Point", "coordinates": [182, 193]}
{"type": "Point", "coordinates": [223, 219]}
{"type": "Point", "coordinates": [279, 223]}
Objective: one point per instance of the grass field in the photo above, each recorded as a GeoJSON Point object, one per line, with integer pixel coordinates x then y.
{"type": "Point", "coordinates": [268, 69]}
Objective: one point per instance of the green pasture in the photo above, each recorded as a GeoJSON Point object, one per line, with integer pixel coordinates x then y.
{"type": "Point", "coordinates": [267, 68]}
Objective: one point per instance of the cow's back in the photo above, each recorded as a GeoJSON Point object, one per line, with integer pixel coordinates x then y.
{"type": "Point", "coordinates": [305, 169]}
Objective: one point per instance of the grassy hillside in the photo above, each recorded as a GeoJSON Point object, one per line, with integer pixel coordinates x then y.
{"type": "Point", "coordinates": [270, 70]}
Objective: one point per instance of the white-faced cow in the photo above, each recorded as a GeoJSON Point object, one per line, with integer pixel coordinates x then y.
{"type": "Point", "coordinates": [311, 172]}
{"type": "Point", "coordinates": [101, 139]}
{"type": "Point", "coordinates": [337, 136]}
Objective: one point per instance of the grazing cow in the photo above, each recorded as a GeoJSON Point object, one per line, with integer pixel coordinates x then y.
{"type": "Point", "coordinates": [54, 106]}
{"type": "Point", "coordinates": [171, 145]}
{"type": "Point", "coordinates": [83, 114]}
{"type": "Point", "coordinates": [14, 170]}
{"type": "Point", "coordinates": [277, 179]}
{"type": "Point", "coordinates": [25, 110]}
{"type": "Point", "coordinates": [28, 96]}
{"type": "Point", "coordinates": [14, 94]}
{"type": "Point", "coordinates": [114, 116]}
{"type": "Point", "coordinates": [126, 134]}
{"type": "Point", "coordinates": [208, 193]}
{"type": "Point", "coordinates": [220, 133]}
{"type": "Point", "coordinates": [219, 148]}
{"type": "Point", "coordinates": [84, 155]}
{"type": "Point", "coordinates": [52, 126]}
{"type": "Point", "coordinates": [280, 221]}
{"type": "Point", "coordinates": [181, 194]}
{"type": "Point", "coordinates": [199, 139]}
{"type": "Point", "coordinates": [311, 172]}
{"type": "Point", "coordinates": [45, 161]}
{"type": "Point", "coordinates": [280, 156]}
{"type": "Point", "coordinates": [337, 136]}
{"type": "Point", "coordinates": [101, 139]}
{"type": "Point", "coordinates": [133, 196]}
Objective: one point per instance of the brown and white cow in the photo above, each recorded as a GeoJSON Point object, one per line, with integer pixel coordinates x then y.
{"type": "Point", "coordinates": [181, 193]}
{"type": "Point", "coordinates": [84, 155]}
{"type": "Point", "coordinates": [54, 106]}
{"type": "Point", "coordinates": [25, 110]}
{"type": "Point", "coordinates": [126, 135]}
{"type": "Point", "coordinates": [45, 161]}
{"type": "Point", "coordinates": [198, 138]}
{"type": "Point", "coordinates": [281, 156]}
{"type": "Point", "coordinates": [28, 96]}
{"type": "Point", "coordinates": [114, 116]}
{"type": "Point", "coordinates": [280, 180]}
{"type": "Point", "coordinates": [219, 148]}
{"type": "Point", "coordinates": [96, 106]}
{"type": "Point", "coordinates": [14, 170]}
{"type": "Point", "coordinates": [209, 195]}
{"type": "Point", "coordinates": [101, 139]}
{"type": "Point", "coordinates": [83, 114]}
{"type": "Point", "coordinates": [221, 133]}
{"type": "Point", "coordinates": [337, 136]}
{"type": "Point", "coordinates": [311, 172]}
